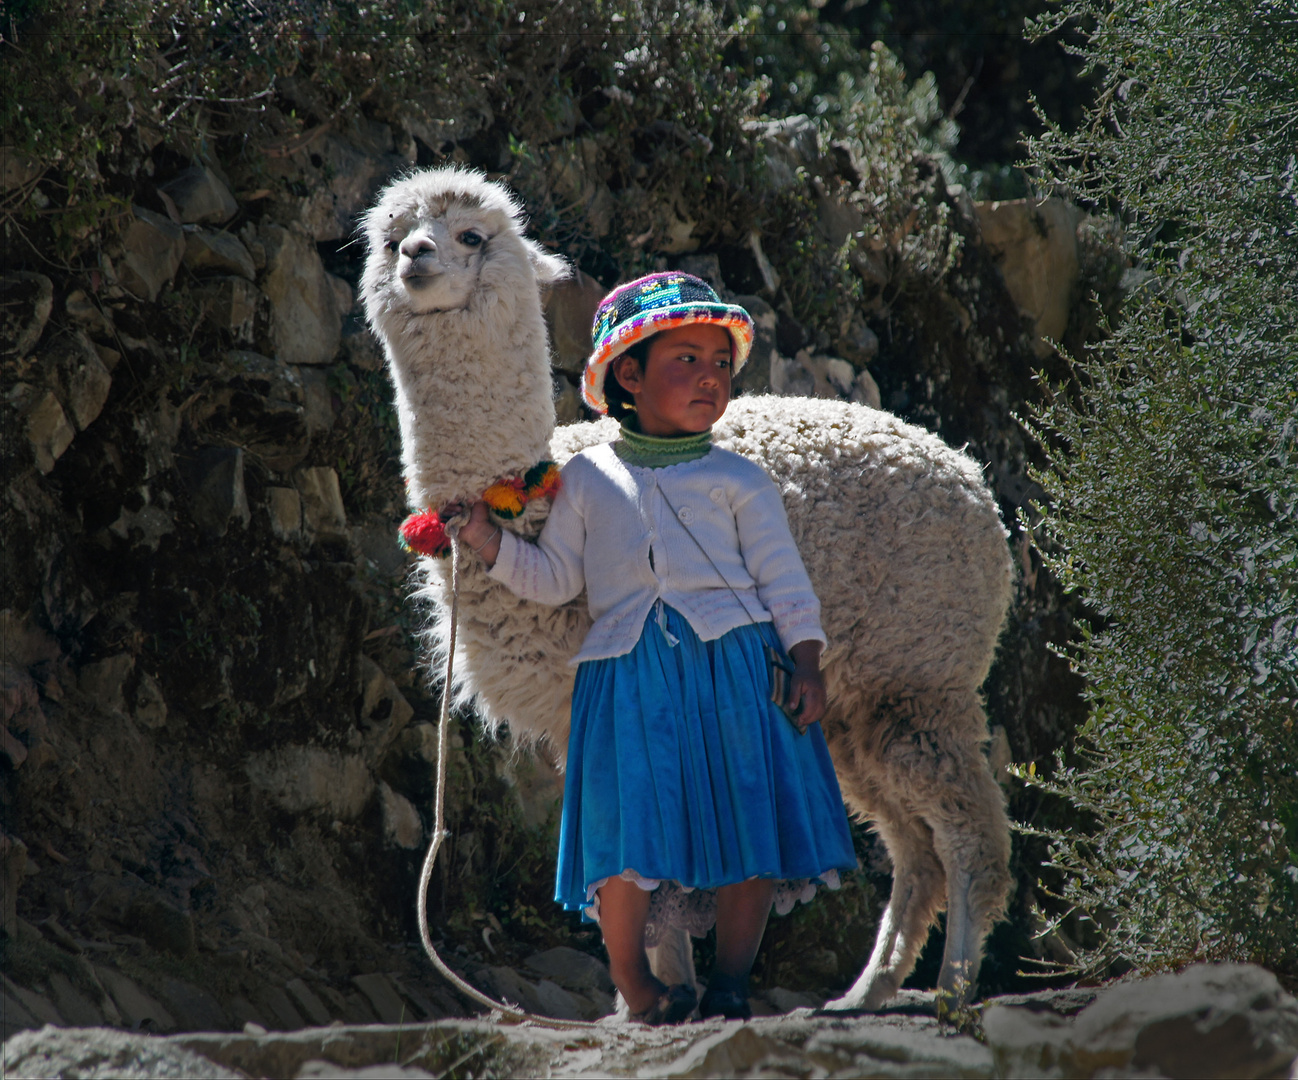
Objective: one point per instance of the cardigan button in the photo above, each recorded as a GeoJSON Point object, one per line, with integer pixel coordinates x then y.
{"type": "Point", "coordinates": [685, 514]}
{"type": "Point", "coordinates": [717, 494]}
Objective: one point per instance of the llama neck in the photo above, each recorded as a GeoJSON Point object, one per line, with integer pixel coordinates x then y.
{"type": "Point", "coordinates": [474, 399]}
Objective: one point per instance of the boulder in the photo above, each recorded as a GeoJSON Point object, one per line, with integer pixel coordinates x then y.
{"type": "Point", "coordinates": [571, 968]}
{"type": "Point", "coordinates": [306, 325]}
{"type": "Point", "coordinates": [26, 300]}
{"type": "Point", "coordinates": [383, 996]}
{"type": "Point", "coordinates": [230, 304]}
{"type": "Point", "coordinates": [307, 1002]}
{"type": "Point", "coordinates": [322, 501]}
{"type": "Point", "coordinates": [755, 376]}
{"type": "Point", "coordinates": [569, 311]}
{"type": "Point", "coordinates": [1227, 1020]}
{"type": "Point", "coordinates": [284, 506]}
{"type": "Point", "coordinates": [300, 778]}
{"type": "Point", "coordinates": [47, 426]}
{"type": "Point", "coordinates": [217, 252]}
{"type": "Point", "coordinates": [17, 169]}
{"type": "Point", "coordinates": [217, 492]}
{"type": "Point", "coordinates": [138, 1009]}
{"type": "Point", "coordinates": [150, 706]}
{"type": "Point", "coordinates": [788, 144]}
{"type": "Point", "coordinates": [200, 196]}
{"type": "Point", "coordinates": [13, 863]}
{"type": "Point", "coordinates": [105, 680]}
{"type": "Point", "coordinates": [83, 380]}
{"type": "Point", "coordinates": [1035, 246]}
{"type": "Point", "coordinates": [152, 251]}
{"type": "Point", "coordinates": [87, 314]}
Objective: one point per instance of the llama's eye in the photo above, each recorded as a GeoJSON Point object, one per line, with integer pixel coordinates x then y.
{"type": "Point", "coordinates": [470, 239]}
{"type": "Point", "coordinates": [392, 245]}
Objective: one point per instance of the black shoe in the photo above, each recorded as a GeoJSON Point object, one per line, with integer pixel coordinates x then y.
{"type": "Point", "coordinates": [729, 1002]}
{"type": "Point", "coordinates": [674, 1006]}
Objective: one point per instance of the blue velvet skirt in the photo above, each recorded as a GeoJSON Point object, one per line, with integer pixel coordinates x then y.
{"type": "Point", "coordinates": [681, 770]}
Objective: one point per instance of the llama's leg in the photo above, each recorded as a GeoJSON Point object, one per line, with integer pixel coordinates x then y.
{"type": "Point", "coordinates": [672, 959]}
{"type": "Point", "coordinates": [918, 884]}
{"type": "Point", "coordinates": [971, 835]}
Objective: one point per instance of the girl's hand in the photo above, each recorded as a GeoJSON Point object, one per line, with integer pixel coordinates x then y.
{"type": "Point", "coordinates": [478, 533]}
{"type": "Point", "coordinates": [807, 694]}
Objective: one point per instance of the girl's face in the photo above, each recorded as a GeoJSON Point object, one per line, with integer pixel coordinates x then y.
{"type": "Point", "coordinates": [684, 386]}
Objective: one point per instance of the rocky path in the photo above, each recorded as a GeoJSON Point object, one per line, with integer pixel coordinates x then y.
{"type": "Point", "coordinates": [1209, 1021]}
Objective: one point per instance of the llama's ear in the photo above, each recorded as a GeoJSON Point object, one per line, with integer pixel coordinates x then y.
{"type": "Point", "coordinates": [549, 268]}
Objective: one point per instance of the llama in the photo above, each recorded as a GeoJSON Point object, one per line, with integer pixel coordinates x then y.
{"type": "Point", "coordinates": [900, 535]}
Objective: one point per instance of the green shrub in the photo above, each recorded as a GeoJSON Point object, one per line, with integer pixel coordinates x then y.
{"type": "Point", "coordinates": [1173, 486]}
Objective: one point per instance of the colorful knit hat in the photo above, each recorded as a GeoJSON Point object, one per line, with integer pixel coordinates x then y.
{"type": "Point", "coordinates": [649, 305]}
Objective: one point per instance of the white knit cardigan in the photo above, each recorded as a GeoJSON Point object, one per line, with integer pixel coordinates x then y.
{"type": "Point", "coordinates": [611, 531]}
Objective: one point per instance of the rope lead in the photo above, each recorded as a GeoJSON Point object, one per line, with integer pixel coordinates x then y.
{"type": "Point", "coordinates": [508, 1013]}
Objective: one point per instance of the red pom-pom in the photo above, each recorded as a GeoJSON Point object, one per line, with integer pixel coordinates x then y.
{"type": "Point", "coordinates": [424, 534]}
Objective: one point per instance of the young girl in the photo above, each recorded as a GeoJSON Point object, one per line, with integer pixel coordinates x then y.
{"type": "Point", "coordinates": [686, 787]}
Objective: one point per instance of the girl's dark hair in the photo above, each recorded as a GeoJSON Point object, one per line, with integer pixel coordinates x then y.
{"type": "Point", "coordinates": [620, 403]}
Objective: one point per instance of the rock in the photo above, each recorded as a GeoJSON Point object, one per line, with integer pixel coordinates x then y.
{"type": "Point", "coordinates": [24, 642]}
{"type": "Point", "coordinates": [322, 501]}
{"type": "Point", "coordinates": [14, 751]}
{"type": "Point", "coordinates": [13, 862]}
{"type": "Point", "coordinates": [17, 169]}
{"type": "Point", "coordinates": [78, 1009]}
{"type": "Point", "coordinates": [218, 252]}
{"type": "Point", "coordinates": [13, 1017]}
{"type": "Point", "coordinates": [557, 1002]}
{"type": "Point", "coordinates": [105, 681]}
{"type": "Point", "coordinates": [342, 176]}
{"type": "Point", "coordinates": [105, 1054]}
{"type": "Point", "coordinates": [201, 196]}
{"type": "Point", "coordinates": [707, 267]}
{"type": "Point", "coordinates": [865, 391]}
{"type": "Point", "coordinates": [788, 144]}
{"type": "Point", "coordinates": [755, 378]}
{"type": "Point", "coordinates": [383, 996]}
{"type": "Point", "coordinates": [567, 401]}
{"type": "Point", "coordinates": [536, 784]}
{"type": "Point", "coordinates": [1209, 1020]}
{"type": "Point", "coordinates": [1035, 246]}
{"type": "Point", "coordinates": [787, 1001]}
{"type": "Point", "coordinates": [217, 492]}
{"type": "Point", "coordinates": [258, 403]}
{"type": "Point", "coordinates": [569, 311]}
{"type": "Point", "coordinates": [152, 250]}
{"type": "Point", "coordinates": [310, 1005]}
{"type": "Point", "coordinates": [87, 314]}
{"type": "Point", "coordinates": [306, 325]}
{"type": "Point", "coordinates": [401, 825]}
{"type": "Point", "coordinates": [571, 968]}
{"type": "Point", "coordinates": [317, 400]}
{"type": "Point", "coordinates": [158, 920]}
{"type": "Point", "coordinates": [300, 778]}
{"type": "Point", "coordinates": [791, 378]}
{"type": "Point", "coordinates": [359, 347]}
{"type": "Point", "coordinates": [138, 1009]}
{"type": "Point", "coordinates": [144, 527]}
{"type": "Point", "coordinates": [230, 304]}
{"type": "Point", "coordinates": [384, 709]}
{"type": "Point", "coordinates": [194, 1007]}
{"type": "Point", "coordinates": [343, 294]}
{"type": "Point", "coordinates": [150, 706]}
{"type": "Point", "coordinates": [284, 506]}
{"type": "Point", "coordinates": [509, 986]}
{"type": "Point", "coordinates": [276, 1006]}
{"type": "Point", "coordinates": [574, 165]}
{"type": "Point", "coordinates": [38, 1005]}
{"type": "Point", "coordinates": [83, 379]}
{"type": "Point", "coordinates": [26, 300]}
{"type": "Point", "coordinates": [48, 429]}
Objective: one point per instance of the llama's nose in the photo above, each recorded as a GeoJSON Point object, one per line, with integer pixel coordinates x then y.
{"type": "Point", "coordinates": [417, 244]}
